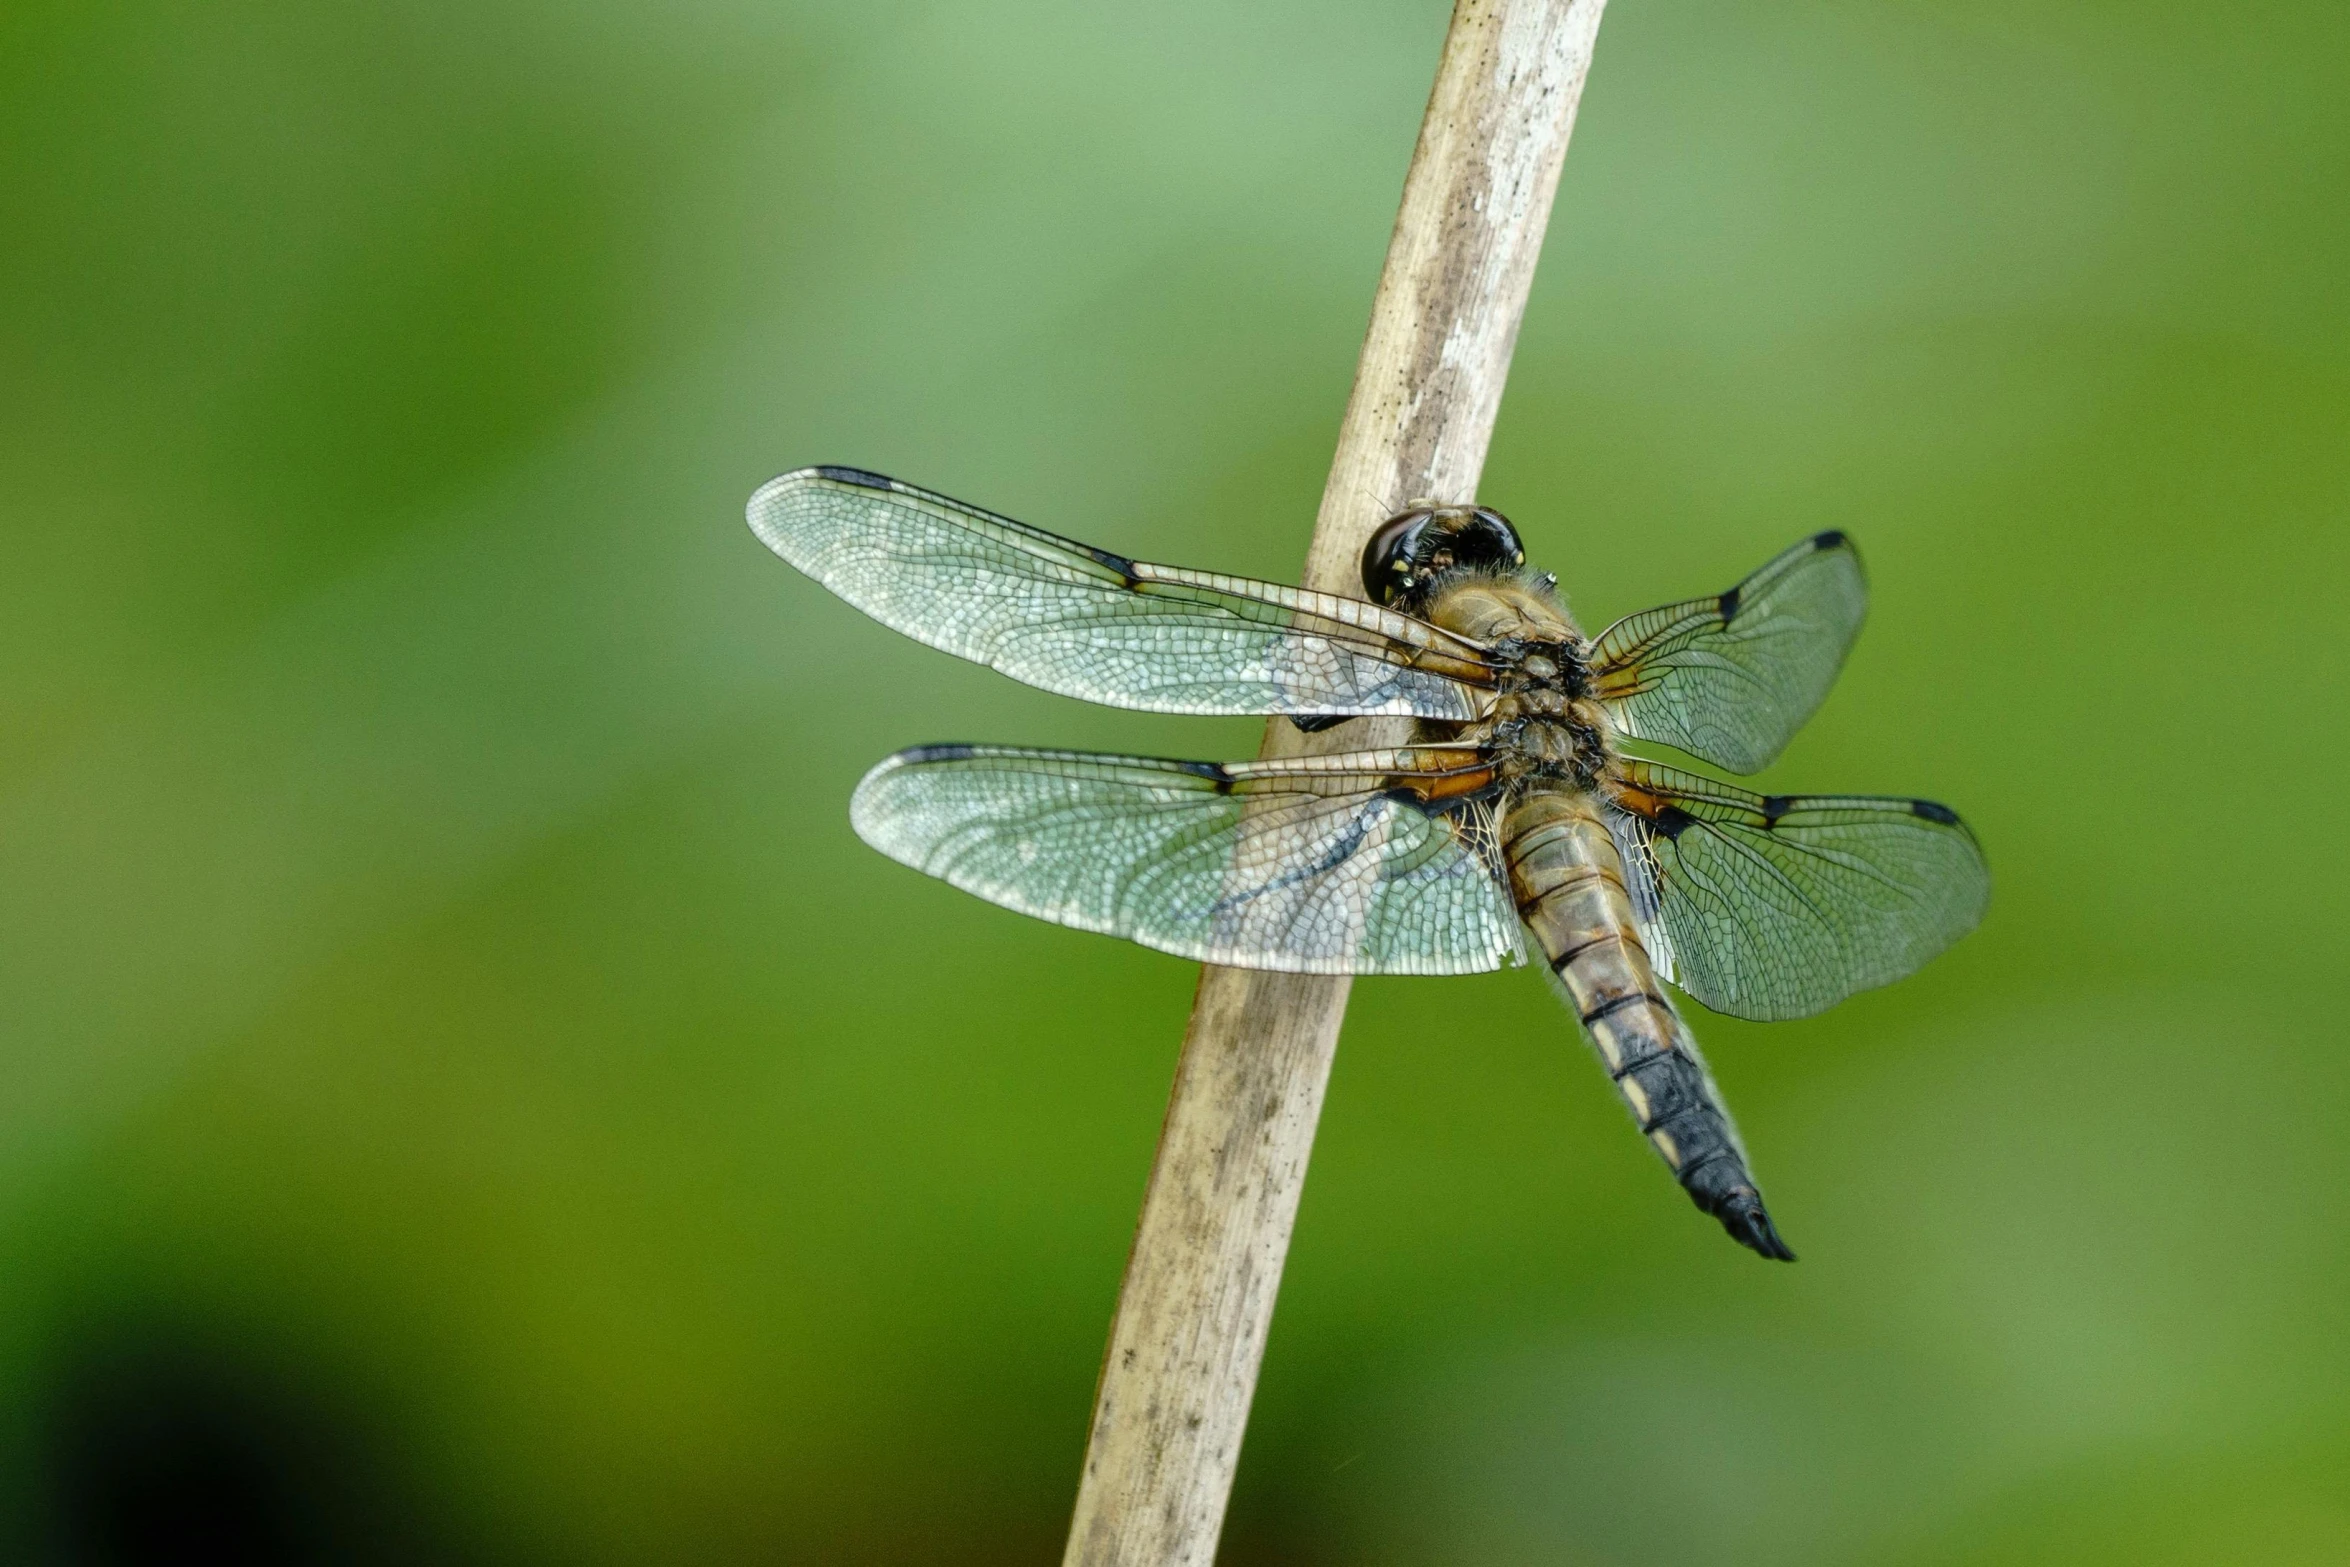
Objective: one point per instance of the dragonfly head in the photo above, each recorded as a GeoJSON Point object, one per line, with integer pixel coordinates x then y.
{"type": "Point", "coordinates": [1414, 547]}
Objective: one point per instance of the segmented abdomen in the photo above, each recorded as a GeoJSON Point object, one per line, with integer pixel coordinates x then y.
{"type": "Point", "coordinates": [1569, 883]}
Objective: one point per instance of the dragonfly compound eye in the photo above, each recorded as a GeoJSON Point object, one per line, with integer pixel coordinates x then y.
{"type": "Point", "coordinates": [1413, 547]}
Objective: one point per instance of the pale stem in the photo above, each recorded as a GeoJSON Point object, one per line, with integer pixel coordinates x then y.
{"type": "Point", "coordinates": [1198, 1294]}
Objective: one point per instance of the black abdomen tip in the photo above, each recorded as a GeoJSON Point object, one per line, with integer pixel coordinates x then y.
{"type": "Point", "coordinates": [1743, 1215]}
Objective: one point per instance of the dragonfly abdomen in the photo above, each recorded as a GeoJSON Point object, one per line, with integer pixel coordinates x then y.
{"type": "Point", "coordinates": [1569, 883]}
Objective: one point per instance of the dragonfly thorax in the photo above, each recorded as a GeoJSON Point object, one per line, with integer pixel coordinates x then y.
{"type": "Point", "coordinates": [1517, 613]}
{"type": "Point", "coordinates": [1543, 722]}
{"type": "Point", "coordinates": [1546, 735]}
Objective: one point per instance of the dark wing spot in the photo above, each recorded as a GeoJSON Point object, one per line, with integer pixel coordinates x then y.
{"type": "Point", "coordinates": [871, 481]}
{"type": "Point", "coordinates": [1833, 539]}
{"type": "Point", "coordinates": [937, 753]}
{"type": "Point", "coordinates": [1315, 723]}
{"type": "Point", "coordinates": [1934, 811]}
{"type": "Point", "coordinates": [1673, 821]}
{"type": "Point", "coordinates": [1729, 606]}
{"type": "Point", "coordinates": [1117, 563]}
{"type": "Point", "coordinates": [1775, 806]}
{"type": "Point", "coordinates": [1215, 772]}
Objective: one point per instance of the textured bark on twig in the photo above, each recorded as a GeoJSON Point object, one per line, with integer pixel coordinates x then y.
{"type": "Point", "coordinates": [1198, 1294]}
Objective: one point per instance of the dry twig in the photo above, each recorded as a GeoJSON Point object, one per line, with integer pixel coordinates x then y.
{"type": "Point", "coordinates": [1198, 1295]}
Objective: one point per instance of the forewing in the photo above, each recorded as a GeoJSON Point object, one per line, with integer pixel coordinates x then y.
{"type": "Point", "coordinates": [1086, 623]}
{"type": "Point", "coordinates": [1380, 862]}
{"type": "Point", "coordinates": [1731, 677]}
{"type": "Point", "coordinates": [1778, 906]}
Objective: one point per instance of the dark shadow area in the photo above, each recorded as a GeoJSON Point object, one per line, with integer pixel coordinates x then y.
{"type": "Point", "coordinates": [158, 1445]}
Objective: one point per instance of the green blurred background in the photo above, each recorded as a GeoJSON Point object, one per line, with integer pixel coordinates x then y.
{"type": "Point", "coordinates": [465, 1095]}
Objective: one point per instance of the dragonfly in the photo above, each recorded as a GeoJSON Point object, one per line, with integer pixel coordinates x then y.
{"type": "Point", "coordinates": [1515, 825]}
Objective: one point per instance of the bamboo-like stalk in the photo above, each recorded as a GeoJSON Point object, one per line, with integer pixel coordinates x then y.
{"type": "Point", "coordinates": [1198, 1295]}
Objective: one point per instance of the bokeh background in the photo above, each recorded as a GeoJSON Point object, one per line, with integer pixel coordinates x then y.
{"type": "Point", "coordinates": [465, 1096]}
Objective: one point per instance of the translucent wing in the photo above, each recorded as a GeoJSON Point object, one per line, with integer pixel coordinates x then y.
{"type": "Point", "coordinates": [1086, 623]}
{"type": "Point", "coordinates": [1731, 677]}
{"type": "Point", "coordinates": [1778, 906]}
{"type": "Point", "coordinates": [1380, 862]}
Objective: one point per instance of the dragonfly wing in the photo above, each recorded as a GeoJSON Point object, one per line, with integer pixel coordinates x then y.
{"type": "Point", "coordinates": [1729, 678]}
{"type": "Point", "coordinates": [1779, 906]}
{"type": "Point", "coordinates": [1086, 623]}
{"type": "Point", "coordinates": [1378, 862]}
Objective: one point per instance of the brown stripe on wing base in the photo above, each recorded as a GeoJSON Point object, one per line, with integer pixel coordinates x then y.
{"type": "Point", "coordinates": [1569, 884]}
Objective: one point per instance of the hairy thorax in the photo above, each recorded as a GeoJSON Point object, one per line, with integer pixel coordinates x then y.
{"type": "Point", "coordinates": [1544, 725]}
